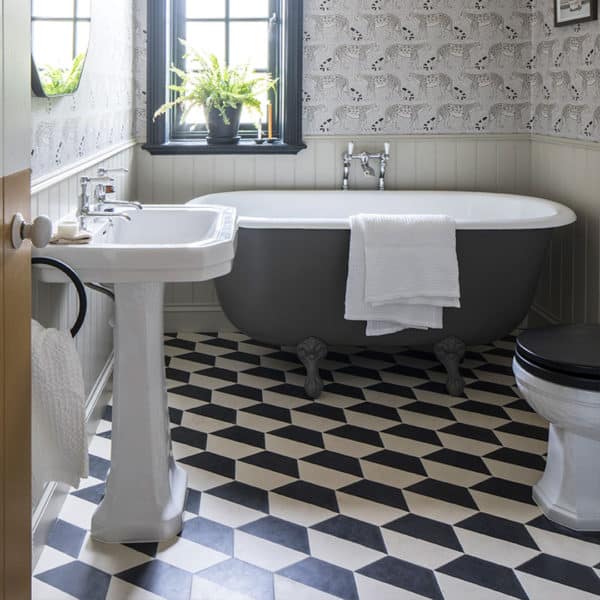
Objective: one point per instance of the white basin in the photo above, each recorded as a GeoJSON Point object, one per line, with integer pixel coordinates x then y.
{"type": "Point", "coordinates": [161, 243]}
{"type": "Point", "coordinates": [145, 490]}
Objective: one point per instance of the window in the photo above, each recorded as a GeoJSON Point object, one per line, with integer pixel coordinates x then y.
{"type": "Point", "coordinates": [265, 34]}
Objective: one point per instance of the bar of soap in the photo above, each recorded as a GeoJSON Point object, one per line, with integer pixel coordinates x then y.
{"type": "Point", "coordinates": [67, 229]}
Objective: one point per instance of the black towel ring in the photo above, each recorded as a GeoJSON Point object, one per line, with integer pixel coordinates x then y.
{"type": "Point", "coordinates": [81, 295]}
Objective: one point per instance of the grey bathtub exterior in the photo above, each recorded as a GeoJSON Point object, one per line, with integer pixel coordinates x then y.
{"type": "Point", "coordinates": [288, 285]}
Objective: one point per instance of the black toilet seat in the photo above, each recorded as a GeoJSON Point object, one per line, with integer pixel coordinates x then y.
{"type": "Point", "coordinates": [567, 355]}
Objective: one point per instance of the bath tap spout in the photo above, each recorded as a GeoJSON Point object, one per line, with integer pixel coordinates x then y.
{"type": "Point", "coordinates": [367, 169]}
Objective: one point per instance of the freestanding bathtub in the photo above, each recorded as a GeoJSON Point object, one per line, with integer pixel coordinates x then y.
{"type": "Point", "coordinates": [288, 281]}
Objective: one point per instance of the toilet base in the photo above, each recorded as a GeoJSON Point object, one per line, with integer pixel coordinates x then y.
{"type": "Point", "coordinates": [569, 490]}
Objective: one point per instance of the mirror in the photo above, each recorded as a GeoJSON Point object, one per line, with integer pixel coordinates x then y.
{"type": "Point", "coordinates": [60, 33]}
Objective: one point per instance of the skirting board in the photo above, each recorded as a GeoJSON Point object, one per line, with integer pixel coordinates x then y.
{"type": "Point", "coordinates": [54, 494]}
{"type": "Point", "coordinates": [196, 317]}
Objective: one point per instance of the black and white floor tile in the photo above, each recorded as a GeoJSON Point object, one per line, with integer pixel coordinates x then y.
{"type": "Point", "coordinates": [385, 488]}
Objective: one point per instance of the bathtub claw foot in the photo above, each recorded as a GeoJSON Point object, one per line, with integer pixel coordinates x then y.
{"type": "Point", "coordinates": [311, 351]}
{"type": "Point", "coordinates": [450, 352]}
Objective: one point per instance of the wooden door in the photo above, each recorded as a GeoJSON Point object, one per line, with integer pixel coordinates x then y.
{"type": "Point", "coordinates": [15, 395]}
{"type": "Point", "coordinates": [15, 304]}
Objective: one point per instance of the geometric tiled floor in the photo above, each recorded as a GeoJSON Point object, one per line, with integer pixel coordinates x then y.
{"type": "Point", "coordinates": [385, 488]}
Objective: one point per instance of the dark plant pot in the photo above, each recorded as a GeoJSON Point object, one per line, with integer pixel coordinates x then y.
{"type": "Point", "coordinates": [220, 132]}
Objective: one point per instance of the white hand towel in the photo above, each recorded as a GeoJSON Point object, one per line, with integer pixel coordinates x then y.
{"type": "Point", "coordinates": [59, 445]}
{"type": "Point", "coordinates": [412, 258]}
{"type": "Point", "coordinates": [402, 271]}
{"type": "Point", "coordinates": [80, 238]}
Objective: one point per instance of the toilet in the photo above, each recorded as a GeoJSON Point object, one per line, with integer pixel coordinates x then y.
{"type": "Point", "coordinates": [557, 370]}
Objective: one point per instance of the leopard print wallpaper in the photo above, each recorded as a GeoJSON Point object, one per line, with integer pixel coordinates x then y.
{"type": "Point", "coordinates": [564, 76]}
{"type": "Point", "coordinates": [415, 66]}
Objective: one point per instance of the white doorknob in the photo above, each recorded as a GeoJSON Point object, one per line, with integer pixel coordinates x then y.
{"type": "Point", "coordinates": [39, 232]}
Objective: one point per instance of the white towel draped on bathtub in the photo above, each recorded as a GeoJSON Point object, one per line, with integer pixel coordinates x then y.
{"type": "Point", "coordinates": [59, 445]}
{"type": "Point", "coordinates": [402, 271]}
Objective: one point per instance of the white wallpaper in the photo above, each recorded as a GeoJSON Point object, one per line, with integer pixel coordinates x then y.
{"type": "Point", "coordinates": [100, 114]}
{"type": "Point", "coordinates": [564, 76]}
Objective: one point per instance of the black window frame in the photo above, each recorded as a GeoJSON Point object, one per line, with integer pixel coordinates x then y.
{"type": "Point", "coordinates": [163, 137]}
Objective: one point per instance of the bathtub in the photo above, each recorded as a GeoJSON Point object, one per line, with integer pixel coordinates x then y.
{"type": "Point", "coordinates": [288, 281]}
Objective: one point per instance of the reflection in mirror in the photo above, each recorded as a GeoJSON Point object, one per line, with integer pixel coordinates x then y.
{"type": "Point", "coordinates": [60, 33]}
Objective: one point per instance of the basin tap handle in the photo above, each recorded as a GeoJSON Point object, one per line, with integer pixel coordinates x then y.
{"type": "Point", "coordinates": [350, 148]}
{"type": "Point", "coordinates": [100, 179]}
{"type": "Point", "coordinates": [386, 148]}
{"type": "Point", "coordinates": [103, 172]}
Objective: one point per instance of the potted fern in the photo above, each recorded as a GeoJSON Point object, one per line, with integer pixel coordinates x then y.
{"type": "Point", "coordinates": [221, 90]}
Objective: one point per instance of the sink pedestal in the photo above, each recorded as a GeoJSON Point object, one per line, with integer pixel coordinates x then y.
{"type": "Point", "coordinates": [145, 490]}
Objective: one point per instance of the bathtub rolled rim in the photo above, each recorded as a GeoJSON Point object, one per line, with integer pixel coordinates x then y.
{"type": "Point", "coordinates": [554, 214]}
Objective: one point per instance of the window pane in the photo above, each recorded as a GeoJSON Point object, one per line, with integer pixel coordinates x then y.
{"type": "Point", "coordinates": [195, 117]}
{"type": "Point", "coordinates": [52, 8]}
{"type": "Point", "coordinates": [83, 9]}
{"type": "Point", "coordinates": [52, 43]}
{"type": "Point", "coordinates": [247, 9]}
{"type": "Point", "coordinates": [251, 117]}
{"type": "Point", "coordinates": [205, 9]}
{"type": "Point", "coordinates": [208, 38]}
{"type": "Point", "coordinates": [83, 37]}
{"type": "Point", "coordinates": [249, 44]}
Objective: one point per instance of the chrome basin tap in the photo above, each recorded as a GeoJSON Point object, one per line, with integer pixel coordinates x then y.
{"type": "Point", "coordinates": [85, 210]}
{"type": "Point", "coordinates": [367, 169]}
{"type": "Point", "coordinates": [102, 189]}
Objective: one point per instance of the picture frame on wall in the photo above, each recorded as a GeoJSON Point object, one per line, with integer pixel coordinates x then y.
{"type": "Point", "coordinates": [570, 12]}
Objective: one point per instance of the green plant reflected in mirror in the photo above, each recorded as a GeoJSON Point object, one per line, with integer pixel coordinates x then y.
{"type": "Point", "coordinates": [60, 34]}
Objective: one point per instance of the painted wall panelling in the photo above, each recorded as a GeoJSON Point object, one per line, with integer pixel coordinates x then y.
{"type": "Point", "coordinates": [567, 171]}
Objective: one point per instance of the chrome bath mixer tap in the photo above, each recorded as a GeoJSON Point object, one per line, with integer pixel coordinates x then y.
{"type": "Point", "coordinates": [367, 169]}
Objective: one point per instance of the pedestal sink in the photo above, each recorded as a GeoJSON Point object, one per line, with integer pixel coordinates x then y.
{"type": "Point", "coordinates": [145, 490]}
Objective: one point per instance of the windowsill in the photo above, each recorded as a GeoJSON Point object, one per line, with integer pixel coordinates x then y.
{"type": "Point", "coordinates": [244, 147]}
